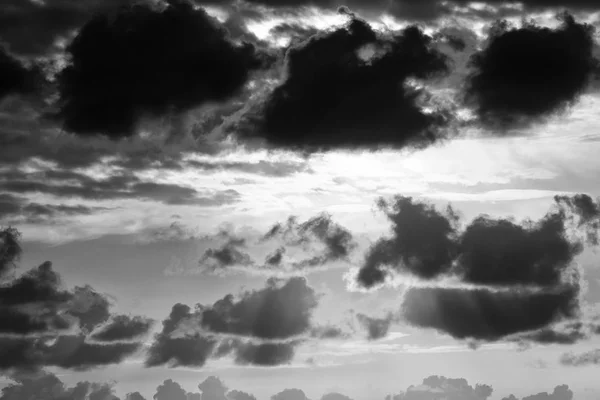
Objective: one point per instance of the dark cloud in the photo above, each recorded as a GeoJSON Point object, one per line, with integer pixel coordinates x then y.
{"type": "Point", "coordinates": [428, 243]}
{"type": "Point", "coordinates": [191, 349]}
{"type": "Point", "coordinates": [15, 78]}
{"type": "Point", "coordinates": [134, 396]}
{"type": "Point", "coordinates": [348, 88]}
{"type": "Point", "coordinates": [266, 354]}
{"type": "Point", "coordinates": [263, 322]}
{"type": "Point", "coordinates": [45, 385]}
{"type": "Point", "coordinates": [10, 249]}
{"type": "Point", "coordinates": [123, 327]}
{"type": "Point", "coordinates": [43, 324]}
{"type": "Point", "coordinates": [376, 328]}
{"type": "Point", "coordinates": [561, 392]}
{"type": "Point", "coordinates": [120, 185]}
{"type": "Point", "coordinates": [529, 73]}
{"type": "Point", "coordinates": [275, 169]}
{"type": "Point", "coordinates": [231, 253]}
{"type": "Point", "coordinates": [486, 315]}
{"type": "Point", "coordinates": [439, 387]}
{"type": "Point", "coordinates": [66, 351]}
{"type": "Point", "coordinates": [591, 357]}
{"type": "Point", "coordinates": [144, 61]}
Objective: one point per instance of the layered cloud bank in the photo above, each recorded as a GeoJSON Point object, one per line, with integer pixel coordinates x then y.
{"type": "Point", "coordinates": [212, 388]}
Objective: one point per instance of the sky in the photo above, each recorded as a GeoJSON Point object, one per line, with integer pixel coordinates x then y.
{"type": "Point", "coordinates": [299, 199]}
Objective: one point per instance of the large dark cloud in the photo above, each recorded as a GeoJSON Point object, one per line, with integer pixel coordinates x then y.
{"type": "Point", "coordinates": [482, 314]}
{"type": "Point", "coordinates": [511, 279]}
{"type": "Point", "coordinates": [440, 387]}
{"type": "Point", "coordinates": [44, 324]}
{"type": "Point", "coordinates": [428, 243]}
{"type": "Point", "coordinates": [259, 327]}
{"type": "Point", "coordinates": [149, 60]}
{"type": "Point", "coordinates": [14, 76]}
{"type": "Point", "coordinates": [348, 88]}
{"type": "Point", "coordinates": [526, 74]}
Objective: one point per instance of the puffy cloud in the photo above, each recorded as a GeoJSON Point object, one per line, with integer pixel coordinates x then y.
{"type": "Point", "coordinates": [43, 324]}
{"type": "Point", "coordinates": [239, 395]}
{"type": "Point", "coordinates": [529, 73]}
{"type": "Point", "coordinates": [429, 243]}
{"type": "Point", "coordinates": [260, 327]}
{"type": "Point", "coordinates": [170, 390]}
{"type": "Point", "coordinates": [142, 61]}
{"type": "Point", "coordinates": [213, 388]}
{"type": "Point", "coordinates": [439, 387]}
{"type": "Point", "coordinates": [350, 88]}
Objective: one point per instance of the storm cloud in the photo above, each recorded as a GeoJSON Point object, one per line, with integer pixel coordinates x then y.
{"type": "Point", "coordinates": [145, 61]}
{"type": "Point", "coordinates": [349, 88]}
{"type": "Point", "coordinates": [526, 74]}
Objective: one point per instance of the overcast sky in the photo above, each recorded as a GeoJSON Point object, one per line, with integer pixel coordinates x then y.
{"type": "Point", "coordinates": [299, 199]}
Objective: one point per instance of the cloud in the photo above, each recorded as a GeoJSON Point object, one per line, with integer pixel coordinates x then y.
{"type": "Point", "coordinates": [120, 185]}
{"type": "Point", "coordinates": [170, 390]}
{"type": "Point", "coordinates": [260, 327]}
{"type": "Point", "coordinates": [376, 328]}
{"type": "Point", "coordinates": [43, 324]}
{"type": "Point", "coordinates": [290, 394]}
{"type": "Point", "coordinates": [561, 392]}
{"type": "Point", "coordinates": [349, 88]}
{"type": "Point", "coordinates": [591, 357]}
{"type": "Point", "coordinates": [482, 314]}
{"type": "Point", "coordinates": [527, 74]}
{"type": "Point", "coordinates": [439, 387]}
{"type": "Point", "coordinates": [300, 247]}
{"type": "Point", "coordinates": [429, 244]}
{"type": "Point", "coordinates": [10, 249]}
{"type": "Point", "coordinates": [239, 395]}
{"type": "Point", "coordinates": [15, 78]}
{"type": "Point", "coordinates": [45, 385]}
{"type": "Point", "coordinates": [213, 388]}
{"type": "Point", "coordinates": [123, 327]}
{"type": "Point", "coordinates": [149, 66]}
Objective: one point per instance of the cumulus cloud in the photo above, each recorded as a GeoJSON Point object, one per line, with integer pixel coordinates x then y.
{"type": "Point", "coordinates": [440, 387]}
{"type": "Point", "coordinates": [349, 88]}
{"type": "Point", "coordinates": [525, 74]}
{"type": "Point", "coordinates": [428, 243]}
{"type": "Point", "coordinates": [259, 327]}
{"type": "Point", "coordinates": [130, 50]}
{"type": "Point", "coordinates": [44, 324]}
{"type": "Point", "coordinates": [290, 394]}
{"type": "Point", "coordinates": [491, 278]}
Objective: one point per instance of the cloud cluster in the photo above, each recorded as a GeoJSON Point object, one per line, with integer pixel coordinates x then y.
{"type": "Point", "coordinates": [44, 324]}
{"type": "Point", "coordinates": [439, 387]}
{"type": "Point", "coordinates": [258, 327]}
{"type": "Point", "coordinates": [488, 279]}
{"type": "Point", "coordinates": [291, 247]}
